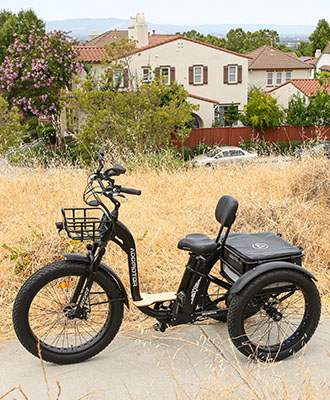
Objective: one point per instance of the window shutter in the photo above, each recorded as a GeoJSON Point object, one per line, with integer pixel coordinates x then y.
{"type": "Point", "coordinates": [205, 75]}
{"type": "Point", "coordinates": [157, 72]}
{"type": "Point", "coordinates": [126, 77]}
{"type": "Point", "coordinates": [172, 77]}
{"type": "Point", "coordinates": [239, 77]}
{"type": "Point", "coordinates": [225, 74]}
{"type": "Point", "coordinates": [191, 75]}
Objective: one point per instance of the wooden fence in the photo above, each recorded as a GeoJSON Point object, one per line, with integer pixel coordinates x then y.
{"type": "Point", "coordinates": [233, 136]}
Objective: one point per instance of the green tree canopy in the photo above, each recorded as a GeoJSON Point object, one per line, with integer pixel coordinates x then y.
{"type": "Point", "coordinates": [320, 36]}
{"type": "Point", "coordinates": [262, 111]}
{"type": "Point", "coordinates": [238, 40]}
{"type": "Point", "coordinates": [20, 24]}
{"type": "Point", "coordinates": [315, 111]}
{"type": "Point", "coordinates": [232, 114]}
{"type": "Point", "coordinates": [306, 49]}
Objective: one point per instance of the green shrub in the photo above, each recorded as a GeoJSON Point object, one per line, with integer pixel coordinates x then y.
{"type": "Point", "coordinates": [280, 147]}
{"type": "Point", "coordinates": [201, 148]}
{"type": "Point", "coordinates": [47, 132]}
{"type": "Point", "coordinates": [186, 153]}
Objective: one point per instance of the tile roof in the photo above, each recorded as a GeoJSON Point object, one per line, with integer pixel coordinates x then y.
{"type": "Point", "coordinates": [325, 68]}
{"type": "Point", "coordinates": [89, 53]}
{"type": "Point", "coordinates": [307, 86]}
{"type": "Point", "coordinates": [107, 38]}
{"type": "Point", "coordinates": [267, 57]}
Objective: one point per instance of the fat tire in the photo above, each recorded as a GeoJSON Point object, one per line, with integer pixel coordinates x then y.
{"type": "Point", "coordinates": [238, 304]}
{"type": "Point", "coordinates": [31, 288]}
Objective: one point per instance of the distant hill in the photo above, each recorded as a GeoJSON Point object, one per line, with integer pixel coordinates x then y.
{"type": "Point", "coordinates": [81, 27]}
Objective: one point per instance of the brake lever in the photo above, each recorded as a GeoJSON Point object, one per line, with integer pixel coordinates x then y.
{"type": "Point", "coordinates": [120, 195]}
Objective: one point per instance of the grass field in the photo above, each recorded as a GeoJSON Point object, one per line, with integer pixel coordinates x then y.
{"type": "Point", "coordinates": [292, 198]}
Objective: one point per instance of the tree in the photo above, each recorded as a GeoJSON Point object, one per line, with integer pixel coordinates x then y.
{"type": "Point", "coordinates": [136, 116]}
{"type": "Point", "coordinates": [11, 130]}
{"type": "Point", "coordinates": [37, 68]}
{"type": "Point", "coordinates": [236, 39]}
{"type": "Point", "coordinates": [306, 49]}
{"type": "Point", "coordinates": [210, 39]}
{"type": "Point", "coordinates": [315, 112]}
{"type": "Point", "coordinates": [297, 113]}
{"type": "Point", "coordinates": [320, 36]}
{"type": "Point", "coordinates": [232, 114]}
{"type": "Point", "coordinates": [260, 38]}
{"type": "Point", "coordinates": [19, 24]}
{"type": "Point", "coordinates": [262, 111]}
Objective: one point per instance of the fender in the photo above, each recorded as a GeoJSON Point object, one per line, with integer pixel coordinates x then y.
{"type": "Point", "coordinates": [85, 259]}
{"type": "Point", "coordinates": [263, 268]}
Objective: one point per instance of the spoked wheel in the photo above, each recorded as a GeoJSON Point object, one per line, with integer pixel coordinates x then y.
{"type": "Point", "coordinates": [286, 310]}
{"type": "Point", "coordinates": [44, 307]}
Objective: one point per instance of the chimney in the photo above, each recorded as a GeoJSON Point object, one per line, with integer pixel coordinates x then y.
{"type": "Point", "coordinates": [138, 30]}
{"type": "Point", "coordinates": [93, 34]}
{"type": "Point", "coordinates": [318, 52]}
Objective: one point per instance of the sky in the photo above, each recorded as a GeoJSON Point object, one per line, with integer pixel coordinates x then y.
{"type": "Point", "coordinates": [182, 12]}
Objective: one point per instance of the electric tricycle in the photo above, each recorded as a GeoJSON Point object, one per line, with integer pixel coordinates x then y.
{"type": "Point", "coordinates": [73, 308]}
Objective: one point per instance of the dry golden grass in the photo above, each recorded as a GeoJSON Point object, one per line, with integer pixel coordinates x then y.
{"type": "Point", "coordinates": [292, 198]}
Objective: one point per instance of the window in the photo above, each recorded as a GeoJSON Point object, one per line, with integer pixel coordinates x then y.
{"type": "Point", "coordinates": [288, 75]}
{"type": "Point", "coordinates": [219, 115]}
{"type": "Point", "coordinates": [270, 78]}
{"type": "Point", "coordinates": [278, 78]}
{"type": "Point", "coordinates": [165, 74]}
{"type": "Point", "coordinates": [232, 74]}
{"type": "Point", "coordinates": [145, 74]}
{"type": "Point", "coordinates": [198, 75]}
{"type": "Point", "coordinates": [118, 78]}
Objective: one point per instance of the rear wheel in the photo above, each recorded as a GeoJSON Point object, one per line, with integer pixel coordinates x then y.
{"type": "Point", "coordinates": [286, 310]}
{"type": "Point", "coordinates": [44, 306]}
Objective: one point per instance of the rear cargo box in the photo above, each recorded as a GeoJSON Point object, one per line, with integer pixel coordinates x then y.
{"type": "Point", "coordinates": [244, 251]}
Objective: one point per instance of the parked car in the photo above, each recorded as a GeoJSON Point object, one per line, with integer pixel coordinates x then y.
{"type": "Point", "coordinates": [321, 148]}
{"type": "Point", "coordinates": [223, 155]}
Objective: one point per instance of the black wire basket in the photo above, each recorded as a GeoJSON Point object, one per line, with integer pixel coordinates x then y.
{"type": "Point", "coordinates": [86, 223]}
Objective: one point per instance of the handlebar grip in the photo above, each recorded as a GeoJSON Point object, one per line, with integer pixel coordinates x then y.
{"type": "Point", "coordinates": [130, 191]}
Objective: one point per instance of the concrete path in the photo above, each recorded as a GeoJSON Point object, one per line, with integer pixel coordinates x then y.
{"type": "Point", "coordinates": [191, 362]}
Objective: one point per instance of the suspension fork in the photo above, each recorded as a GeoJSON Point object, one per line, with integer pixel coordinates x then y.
{"type": "Point", "coordinates": [87, 284]}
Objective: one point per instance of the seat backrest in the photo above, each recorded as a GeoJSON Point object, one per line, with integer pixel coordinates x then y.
{"type": "Point", "coordinates": [225, 212]}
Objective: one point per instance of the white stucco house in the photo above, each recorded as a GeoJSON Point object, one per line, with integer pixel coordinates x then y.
{"type": "Point", "coordinates": [304, 88]}
{"type": "Point", "coordinates": [270, 67]}
{"type": "Point", "coordinates": [323, 61]}
{"type": "Point", "coordinates": [214, 77]}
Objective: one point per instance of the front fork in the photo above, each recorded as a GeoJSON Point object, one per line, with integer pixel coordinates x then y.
{"type": "Point", "coordinates": [83, 287]}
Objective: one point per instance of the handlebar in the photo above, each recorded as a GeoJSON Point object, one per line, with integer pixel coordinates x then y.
{"type": "Point", "coordinates": [130, 191]}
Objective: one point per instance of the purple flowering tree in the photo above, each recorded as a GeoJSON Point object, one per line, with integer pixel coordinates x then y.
{"type": "Point", "coordinates": [38, 67]}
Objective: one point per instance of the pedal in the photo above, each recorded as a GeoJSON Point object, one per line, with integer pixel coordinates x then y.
{"type": "Point", "coordinates": [160, 327]}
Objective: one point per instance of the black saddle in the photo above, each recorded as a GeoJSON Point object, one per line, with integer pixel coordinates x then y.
{"type": "Point", "coordinates": [198, 244]}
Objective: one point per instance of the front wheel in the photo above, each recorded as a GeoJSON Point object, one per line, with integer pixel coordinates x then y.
{"type": "Point", "coordinates": [286, 313]}
{"type": "Point", "coordinates": [43, 312]}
